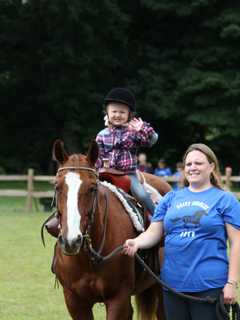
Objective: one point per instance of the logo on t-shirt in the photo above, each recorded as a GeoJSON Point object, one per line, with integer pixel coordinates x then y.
{"type": "Point", "coordinates": [184, 218]}
{"type": "Point", "coordinates": [191, 219]}
{"type": "Point", "coordinates": [190, 222]}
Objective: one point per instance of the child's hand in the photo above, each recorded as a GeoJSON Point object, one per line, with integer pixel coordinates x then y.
{"type": "Point", "coordinates": [136, 124]}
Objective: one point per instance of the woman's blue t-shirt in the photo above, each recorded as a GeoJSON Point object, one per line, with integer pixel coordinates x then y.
{"type": "Point", "coordinates": [195, 255]}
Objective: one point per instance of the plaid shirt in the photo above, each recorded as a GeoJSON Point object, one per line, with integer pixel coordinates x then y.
{"type": "Point", "coordinates": [120, 144]}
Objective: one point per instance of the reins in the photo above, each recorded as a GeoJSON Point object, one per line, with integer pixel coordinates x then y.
{"type": "Point", "coordinates": [223, 311]}
{"type": "Point", "coordinates": [44, 224]}
{"type": "Point", "coordinates": [155, 277]}
{"type": "Point", "coordinates": [96, 254]}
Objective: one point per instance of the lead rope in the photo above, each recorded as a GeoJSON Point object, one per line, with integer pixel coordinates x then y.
{"type": "Point", "coordinates": [223, 311]}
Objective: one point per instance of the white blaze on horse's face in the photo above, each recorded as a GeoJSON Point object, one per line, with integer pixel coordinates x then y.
{"type": "Point", "coordinates": [73, 182]}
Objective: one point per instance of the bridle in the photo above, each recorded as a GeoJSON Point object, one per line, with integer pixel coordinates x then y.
{"type": "Point", "coordinates": [87, 240]}
{"type": "Point", "coordinates": [72, 168]}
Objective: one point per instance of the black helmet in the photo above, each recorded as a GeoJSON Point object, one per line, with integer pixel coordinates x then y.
{"type": "Point", "coordinates": [121, 95]}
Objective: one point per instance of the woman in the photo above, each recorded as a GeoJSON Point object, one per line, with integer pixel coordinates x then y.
{"type": "Point", "coordinates": [196, 222]}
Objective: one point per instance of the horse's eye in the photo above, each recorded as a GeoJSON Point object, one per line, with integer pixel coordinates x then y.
{"type": "Point", "coordinates": [58, 189]}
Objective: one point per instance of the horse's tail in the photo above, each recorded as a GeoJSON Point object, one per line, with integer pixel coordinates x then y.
{"type": "Point", "coordinates": [149, 304]}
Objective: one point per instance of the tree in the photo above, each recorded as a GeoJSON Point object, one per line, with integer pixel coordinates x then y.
{"type": "Point", "coordinates": [181, 58]}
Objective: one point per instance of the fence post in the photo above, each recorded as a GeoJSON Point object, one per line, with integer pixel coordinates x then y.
{"type": "Point", "coordinates": [228, 174]}
{"type": "Point", "coordinates": [30, 190]}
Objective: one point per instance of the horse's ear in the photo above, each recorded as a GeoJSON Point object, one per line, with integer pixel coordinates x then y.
{"type": "Point", "coordinates": [58, 153]}
{"type": "Point", "coordinates": [92, 154]}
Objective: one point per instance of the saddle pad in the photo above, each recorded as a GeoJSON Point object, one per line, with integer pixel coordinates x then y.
{"type": "Point", "coordinates": [132, 210]}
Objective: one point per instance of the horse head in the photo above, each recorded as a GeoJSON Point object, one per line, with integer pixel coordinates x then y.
{"type": "Point", "coordinates": [76, 185]}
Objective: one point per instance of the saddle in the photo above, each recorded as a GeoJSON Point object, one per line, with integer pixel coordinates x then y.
{"type": "Point", "coordinates": [116, 177]}
{"type": "Point", "coordinates": [121, 179]}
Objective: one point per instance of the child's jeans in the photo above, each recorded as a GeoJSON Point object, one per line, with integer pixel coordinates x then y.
{"type": "Point", "coordinates": [140, 193]}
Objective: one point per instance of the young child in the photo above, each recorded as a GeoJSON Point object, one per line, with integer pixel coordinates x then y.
{"type": "Point", "coordinates": [119, 141]}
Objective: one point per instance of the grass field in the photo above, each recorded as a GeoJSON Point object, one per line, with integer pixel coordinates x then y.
{"type": "Point", "coordinates": [26, 283]}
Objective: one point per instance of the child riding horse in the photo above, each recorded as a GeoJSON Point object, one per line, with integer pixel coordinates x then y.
{"type": "Point", "coordinates": [120, 140]}
{"type": "Point", "coordinates": [93, 223]}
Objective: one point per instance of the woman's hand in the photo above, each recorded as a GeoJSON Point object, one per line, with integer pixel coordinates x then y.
{"type": "Point", "coordinates": [230, 288]}
{"type": "Point", "coordinates": [145, 240]}
{"type": "Point", "coordinates": [136, 124]}
{"type": "Point", "coordinates": [130, 247]}
{"type": "Point", "coordinates": [230, 293]}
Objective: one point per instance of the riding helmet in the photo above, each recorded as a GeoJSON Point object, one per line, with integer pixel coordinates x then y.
{"type": "Point", "coordinates": [121, 95]}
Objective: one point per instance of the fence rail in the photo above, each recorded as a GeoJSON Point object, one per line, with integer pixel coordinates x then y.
{"type": "Point", "coordinates": [32, 195]}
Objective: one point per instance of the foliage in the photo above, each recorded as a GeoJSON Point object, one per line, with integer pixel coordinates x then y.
{"type": "Point", "coordinates": [60, 58]}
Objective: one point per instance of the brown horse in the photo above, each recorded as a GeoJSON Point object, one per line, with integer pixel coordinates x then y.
{"type": "Point", "coordinates": [94, 223]}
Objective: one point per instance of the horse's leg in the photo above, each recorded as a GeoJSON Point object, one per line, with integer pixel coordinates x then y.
{"type": "Point", "coordinates": [78, 309]}
{"type": "Point", "coordinates": [120, 307]}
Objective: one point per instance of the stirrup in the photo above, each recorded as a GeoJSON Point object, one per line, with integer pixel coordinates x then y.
{"type": "Point", "coordinates": [52, 226]}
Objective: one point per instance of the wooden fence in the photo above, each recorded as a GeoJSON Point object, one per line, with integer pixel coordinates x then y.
{"type": "Point", "coordinates": [32, 195]}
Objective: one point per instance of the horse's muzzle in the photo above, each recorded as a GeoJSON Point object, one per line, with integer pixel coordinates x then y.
{"type": "Point", "coordinates": [70, 248]}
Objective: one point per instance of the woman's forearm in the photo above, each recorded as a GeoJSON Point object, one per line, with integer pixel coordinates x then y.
{"type": "Point", "coordinates": [151, 236]}
{"type": "Point", "coordinates": [234, 261]}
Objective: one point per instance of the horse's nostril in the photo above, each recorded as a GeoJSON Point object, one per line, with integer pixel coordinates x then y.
{"type": "Point", "coordinates": [79, 240]}
{"type": "Point", "coordinates": [70, 247]}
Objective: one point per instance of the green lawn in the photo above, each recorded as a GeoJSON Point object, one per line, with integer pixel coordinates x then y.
{"type": "Point", "coordinates": [26, 283]}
